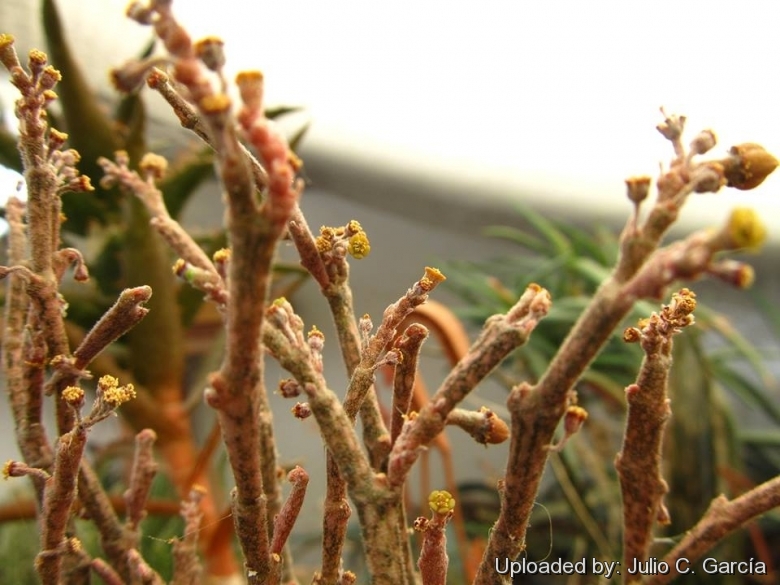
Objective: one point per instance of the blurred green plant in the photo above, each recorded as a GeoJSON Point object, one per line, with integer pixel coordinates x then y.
{"type": "Point", "coordinates": [708, 451]}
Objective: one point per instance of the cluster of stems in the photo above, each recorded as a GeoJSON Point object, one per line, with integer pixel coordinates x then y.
{"type": "Point", "coordinates": [258, 175]}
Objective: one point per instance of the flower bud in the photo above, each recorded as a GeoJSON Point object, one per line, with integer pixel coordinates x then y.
{"type": "Point", "coordinates": [703, 142]}
{"type": "Point", "coordinates": [301, 410]}
{"type": "Point", "coordinates": [748, 166]}
{"type": "Point", "coordinates": [211, 51]}
{"type": "Point", "coordinates": [637, 188]}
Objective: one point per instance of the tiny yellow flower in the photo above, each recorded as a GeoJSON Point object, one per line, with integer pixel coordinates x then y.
{"type": "Point", "coordinates": [359, 246]}
{"type": "Point", "coordinates": [73, 395]}
{"type": "Point", "coordinates": [746, 228]}
{"type": "Point", "coordinates": [153, 165]}
{"type": "Point", "coordinates": [432, 277]}
{"type": "Point", "coordinates": [441, 502]}
{"type": "Point", "coordinates": [222, 255]}
{"type": "Point", "coordinates": [115, 397]}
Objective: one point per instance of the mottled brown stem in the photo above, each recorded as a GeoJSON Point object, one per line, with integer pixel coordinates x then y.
{"type": "Point", "coordinates": [174, 234]}
{"type": "Point", "coordinates": [307, 249]}
{"type": "Point", "coordinates": [501, 335]}
{"type": "Point", "coordinates": [141, 571]}
{"type": "Point", "coordinates": [285, 520]}
{"type": "Point", "coordinates": [639, 463]}
{"type": "Point", "coordinates": [23, 360]}
{"type": "Point", "coordinates": [537, 411]}
{"type": "Point", "coordinates": [187, 565]}
{"type": "Point", "coordinates": [43, 203]}
{"type": "Point", "coordinates": [434, 562]}
{"type": "Point", "coordinates": [409, 344]}
{"type": "Point", "coordinates": [114, 539]}
{"type": "Point", "coordinates": [142, 473]}
{"type": "Point", "coordinates": [104, 571]}
{"type": "Point", "coordinates": [723, 517]}
{"type": "Point", "coordinates": [191, 120]}
{"type": "Point", "coordinates": [237, 390]}
{"type": "Point", "coordinates": [535, 416]}
{"type": "Point", "coordinates": [58, 498]}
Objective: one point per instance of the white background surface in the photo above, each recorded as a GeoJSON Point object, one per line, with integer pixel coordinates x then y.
{"type": "Point", "coordinates": [551, 102]}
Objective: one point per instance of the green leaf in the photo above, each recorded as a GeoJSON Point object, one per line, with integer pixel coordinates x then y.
{"type": "Point", "coordinates": [279, 111]}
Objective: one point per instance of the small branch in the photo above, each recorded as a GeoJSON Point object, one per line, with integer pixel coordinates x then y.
{"type": "Point", "coordinates": [59, 495]}
{"type": "Point", "coordinates": [502, 334]}
{"type": "Point", "coordinates": [307, 248]}
{"type": "Point", "coordinates": [285, 520]}
{"type": "Point", "coordinates": [537, 411]}
{"type": "Point", "coordinates": [639, 462]}
{"type": "Point", "coordinates": [23, 369]}
{"type": "Point", "coordinates": [190, 120]}
{"type": "Point", "coordinates": [721, 519]}
{"type": "Point", "coordinates": [283, 336]}
{"type": "Point", "coordinates": [433, 561]}
{"type": "Point", "coordinates": [141, 571]}
{"type": "Point", "coordinates": [141, 476]}
{"type": "Point", "coordinates": [123, 315]}
{"type": "Point", "coordinates": [104, 571]}
{"type": "Point", "coordinates": [408, 344]}
{"type": "Point", "coordinates": [483, 425]}
{"type": "Point", "coordinates": [187, 566]}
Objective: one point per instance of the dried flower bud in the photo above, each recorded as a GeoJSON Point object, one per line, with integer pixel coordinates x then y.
{"type": "Point", "coordinates": [10, 469]}
{"type": "Point", "coordinates": [637, 188]}
{"type": "Point", "coordinates": [211, 51]}
{"type": "Point", "coordinates": [49, 78]}
{"type": "Point", "coordinates": [112, 393]}
{"type": "Point", "coordinates": [49, 96]}
{"type": "Point", "coordinates": [748, 166]}
{"type": "Point", "coordinates": [289, 388]}
{"type": "Point", "coordinates": [301, 410]}
{"type": "Point", "coordinates": [37, 60]}
{"type": "Point", "coordinates": [250, 87]}
{"type": "Point", "coordinates": [153, 166]}
{"type": "Point", "coordinates": [353, 227]}
{"type": "Point", "coordinates": [420, 524]}
{"type": "Point", "coordinates": [316, 339]}
{"type": "Point", "coordinates": [573, 419]}
{"type": "Point", "coordinates": [672, 127]}
{"type": "Point", "coordinates": [139, 12]}
{"type": "Point", "coordinates": [496, 430]}
{"type": "Point", "coordinates": [632, 335]}
{"type": "Point", "coordinates": [683, 303]}
{"type": "Point", "coordinates": [704, 142]}
{"type": "Point", "coordinates": [216, 107]}
{"type": "Point", "coordinates": [733, 272]}
{"type": "Point", "coordinates": [7, 53]}
{"type": "Point", "coordinates": [222, 255]}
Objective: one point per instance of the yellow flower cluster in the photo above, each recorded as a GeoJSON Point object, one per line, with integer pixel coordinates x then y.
{"type": "Point", "coordinates": [441, 502]}
{"type": "Point", "coordinates": [112, 393]}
